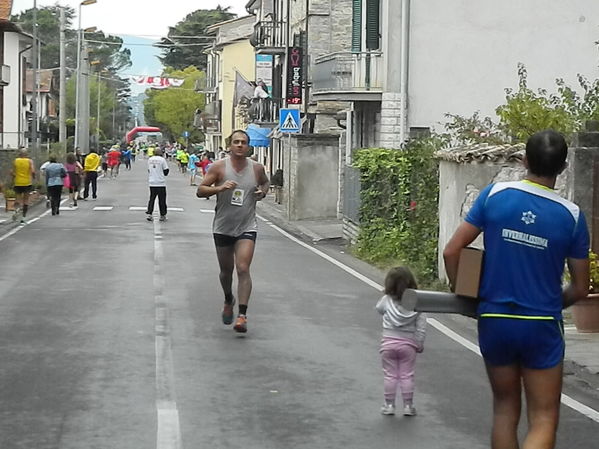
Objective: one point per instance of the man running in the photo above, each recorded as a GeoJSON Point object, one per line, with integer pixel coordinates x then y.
{"type": "Point", "coordinates": [238, 182]}
{"type": "Point", "coordinates": [23, 174]}
{"type": "Point", "coordinates": [529, 232]}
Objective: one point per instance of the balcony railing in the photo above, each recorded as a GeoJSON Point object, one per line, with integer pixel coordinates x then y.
{"type": "Point", "coordinates": [264, 110]}
{"type": "Point", "coordinates": [206, 85]}
{"type": "Point", "coordinates": [348, 72]}
{"type": "Point", "coordinates": [269, 37]}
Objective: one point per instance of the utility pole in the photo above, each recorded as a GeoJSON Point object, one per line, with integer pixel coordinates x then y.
{"type": "Point", "coordinates": [62, 118]}
{"type": "Point", "coordinates": [98, 117]}
{"type": "Point", "coordinates": [34, 115]}
{"type": "Point", "coordinates": [83, 139]}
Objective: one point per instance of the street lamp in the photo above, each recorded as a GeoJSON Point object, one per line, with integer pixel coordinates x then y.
{"type": "Point", "coordinates": [77, 89]}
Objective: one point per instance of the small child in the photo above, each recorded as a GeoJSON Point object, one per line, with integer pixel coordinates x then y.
{"type": "Point", "coordinates": [403, 336]}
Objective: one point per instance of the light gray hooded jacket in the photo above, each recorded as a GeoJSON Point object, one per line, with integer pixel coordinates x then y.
{"type": "Point", "coordinates": [401, 323]}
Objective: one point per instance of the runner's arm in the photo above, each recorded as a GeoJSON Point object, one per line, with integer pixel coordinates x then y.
{"type": "Point", "coordinates": [578, 288]}
{"type": "Point", "coordinates": [207, 188]}
{"type": "Point", "coordinates": [463, 236]}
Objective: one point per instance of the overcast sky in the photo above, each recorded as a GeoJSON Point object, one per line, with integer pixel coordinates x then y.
{"type": "Point", "coordinates": [137, 22]}
{"type": "Point", "coordinates": [152, 17]}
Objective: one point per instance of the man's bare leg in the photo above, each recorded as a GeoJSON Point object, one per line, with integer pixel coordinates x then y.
{"type": "Point", "coordinates": [543, 389]}
{"type": "Point", "coordinates": [507, 404]}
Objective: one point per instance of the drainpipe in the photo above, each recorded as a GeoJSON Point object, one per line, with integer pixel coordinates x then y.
{"type": "Point", "coordinates": [405, 67]}
{"type": "Point", "coordinates": [20, 87]}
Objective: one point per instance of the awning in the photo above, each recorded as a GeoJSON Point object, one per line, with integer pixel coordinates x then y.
{"type": "Point", "coordinates": [259, 136]}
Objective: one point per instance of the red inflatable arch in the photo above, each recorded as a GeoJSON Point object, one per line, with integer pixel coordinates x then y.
{"type": "Point", "coordinates": [141, 129]}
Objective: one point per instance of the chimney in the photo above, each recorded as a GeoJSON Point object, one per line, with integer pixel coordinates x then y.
{"type": "Point", "coordinates": [5, 9]}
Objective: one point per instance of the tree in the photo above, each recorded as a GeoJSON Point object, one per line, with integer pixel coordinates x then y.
{"type": "Point", "coordinates": [173, 109]}
{"type": "Point", "coordinates": [185, 43]}
{"type": "Point", "coordinates": [48, 19]}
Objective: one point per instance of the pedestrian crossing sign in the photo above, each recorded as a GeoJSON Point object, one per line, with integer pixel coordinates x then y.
{"type": "Point", "coordinates": [289, 121]}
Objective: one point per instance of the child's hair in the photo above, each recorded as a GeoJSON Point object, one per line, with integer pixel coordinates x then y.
{"type": "Point", "coordinates": [398, 279]}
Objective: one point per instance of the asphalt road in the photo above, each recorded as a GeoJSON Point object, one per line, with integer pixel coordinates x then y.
{"type": "Point", "coordinates": [111, 337]}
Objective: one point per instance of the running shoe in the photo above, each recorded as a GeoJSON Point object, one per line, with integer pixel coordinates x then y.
{"type": "Point", "coordinates": [227, 314]}
{"type": "Point", "coordinates": [149, 217]}
{"type": "Point", "coordinates": [162, 218]}
{"type": "Point", "coordinates": [388, 409]}
{"type": "Point", "coordinates": [409, 410]}
{"type": "Point", "coordinates": [241, 324]}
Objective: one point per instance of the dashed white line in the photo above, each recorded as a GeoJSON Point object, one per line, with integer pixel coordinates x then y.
{"type": "Point", "coordinates": [168, 433]}
{"type": "Point", "coordinates": [103, 208]}
{"type": "Point", "coordinates": [566, 400]}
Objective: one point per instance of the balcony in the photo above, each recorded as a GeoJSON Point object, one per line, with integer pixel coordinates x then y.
{"type": "Point", "coordinates": [346, 76]}
{"type": "Point", "coordinates": [269, 38]}
{"type": "Point", "coordinates": [264, 111]}
{"type": "Point", "coordinates": [5, 75]}
{"type": "Point", "coordinates": [206, 85]}
{"type": "Point", "coordinates": [209, 119]}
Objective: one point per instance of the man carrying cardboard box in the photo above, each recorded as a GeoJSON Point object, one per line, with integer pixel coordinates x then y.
{"type": "Point", "coordinates": [529, 232]}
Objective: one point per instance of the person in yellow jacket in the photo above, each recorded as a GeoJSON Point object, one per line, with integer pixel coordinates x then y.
{"type": "Point", "coordinates": [90, 167]}
{"type": "Point", "coordinates": [23, 173]}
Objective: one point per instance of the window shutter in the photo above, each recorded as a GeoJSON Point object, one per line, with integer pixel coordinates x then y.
{"type": "Point", "coordinates": [356, 30]}
{"type": "Point", "coordinates": [372, 24]}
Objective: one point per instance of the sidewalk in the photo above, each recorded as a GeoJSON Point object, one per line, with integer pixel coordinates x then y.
{"type": "Point", "coordinates": [582, 350]}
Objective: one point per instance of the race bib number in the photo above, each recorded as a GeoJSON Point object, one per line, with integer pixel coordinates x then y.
{"type": "Point", "coordinates": [237, 197]}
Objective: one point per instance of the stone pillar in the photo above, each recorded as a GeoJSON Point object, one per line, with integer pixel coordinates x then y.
{"type": "Point", "coordinates": [391, 113]}
{"type": "Point", "coordinates": [583, 176]}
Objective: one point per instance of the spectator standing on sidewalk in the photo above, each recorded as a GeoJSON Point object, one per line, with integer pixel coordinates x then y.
{"type": "Point", "coordinates": [157, 173]}
{"type": "Point", "coordinates": [55, 174]}
{"type": "Point", "coordinates": [22, 174]}
{"type": "Point", "coordinates": [238, 183]}
{"type": "Point", "coordinates": [529, 233]}
{"type": "Point", "coordinates": [90, 167]}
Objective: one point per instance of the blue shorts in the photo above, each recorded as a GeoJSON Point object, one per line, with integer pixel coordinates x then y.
{"type": "Point", "coordinates": [530, 343]}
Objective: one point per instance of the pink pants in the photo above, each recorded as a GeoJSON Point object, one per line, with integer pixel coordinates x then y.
{"type": "Point", "coordinates": [399, 359]}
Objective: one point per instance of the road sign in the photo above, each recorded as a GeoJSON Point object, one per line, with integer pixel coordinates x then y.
{"type": "Point", "coordinates": [185, 134]}
{"type": "Point", "coordinates": [289, 121]}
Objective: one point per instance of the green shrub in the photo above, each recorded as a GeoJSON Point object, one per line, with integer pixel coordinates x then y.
{"type": "Point", "coordinates": [399, 220]}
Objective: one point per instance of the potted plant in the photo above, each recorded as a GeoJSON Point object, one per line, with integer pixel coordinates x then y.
{"type": "Point", "coordinates": [585, 313]}
{"type": "Point", "coordinates": [10, 198]}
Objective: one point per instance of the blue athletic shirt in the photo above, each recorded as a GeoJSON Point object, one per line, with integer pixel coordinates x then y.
{"type": "Point", "coordinates": [529, 231]}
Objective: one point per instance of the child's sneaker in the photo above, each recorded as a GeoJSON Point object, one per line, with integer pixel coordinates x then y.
{"type": "Point", "coordinates": [409, 410]}
{"type": "Point", "coordinates": [388, 409]}
{"type": "Point", "coordinates": [241, 324]}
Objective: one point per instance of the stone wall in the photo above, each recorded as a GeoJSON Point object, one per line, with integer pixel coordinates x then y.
{"type": "Point", "coordinates": [311, 176]}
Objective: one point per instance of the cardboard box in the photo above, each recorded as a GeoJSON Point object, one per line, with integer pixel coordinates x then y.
{"type": "Point", "coordinates": [470, 270]}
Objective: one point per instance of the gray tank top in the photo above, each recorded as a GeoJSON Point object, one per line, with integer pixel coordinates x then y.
{"type": "Point", "coordinates": [235, 211]}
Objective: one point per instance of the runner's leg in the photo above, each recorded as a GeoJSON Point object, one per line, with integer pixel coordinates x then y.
{"type": "Point", "coordinates": [507, 403]}
{"type": "Point", "coordinates": [244, 253]}
{"type": "Point", "coordinates": [226, 262]}
{"type": "Point", "coordinates": [543, 389]}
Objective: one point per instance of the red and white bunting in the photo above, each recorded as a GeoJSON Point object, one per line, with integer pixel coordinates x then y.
{"type": "Point", "coordinates": [157, 82]}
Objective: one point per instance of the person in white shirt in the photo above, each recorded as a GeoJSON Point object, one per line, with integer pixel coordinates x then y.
{"type": "Point", "coordinates": [157, 173]}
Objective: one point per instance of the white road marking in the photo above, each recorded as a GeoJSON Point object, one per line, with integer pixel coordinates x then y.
{"type": "Point", "coordinates": [103, 208]}
{"type": "Point", "coordinates": [138, 208]}
{"type": "Point", "coordinates": [206, 211]}
{"type": "Point", "coordinates": [168, 434]}
{"type": "Point", "coordinates": [175, 209]}
{"type": "Point", "coordinates": [566, 400]}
